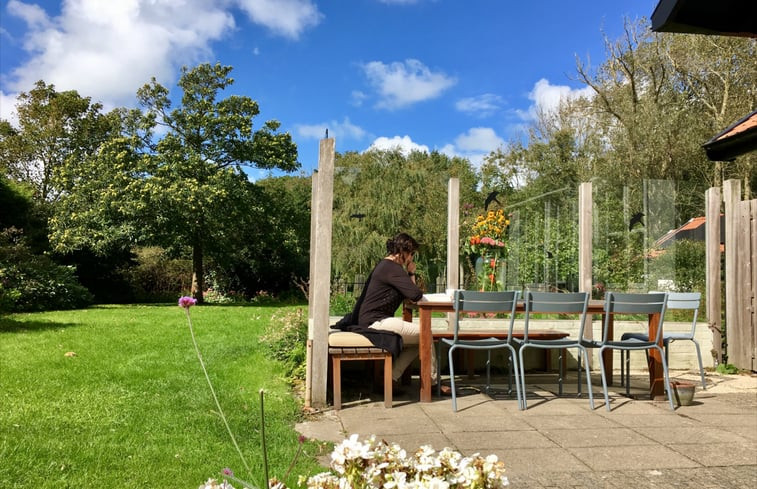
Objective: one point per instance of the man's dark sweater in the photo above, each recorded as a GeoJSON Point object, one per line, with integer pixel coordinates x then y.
{"type": "Point", "coordinates": [388, 287]}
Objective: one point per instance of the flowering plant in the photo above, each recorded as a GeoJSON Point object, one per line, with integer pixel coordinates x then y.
{"type": "Point", "coordinates": [373, 464]}
{"type": "Point", "coordinates": [487, 239]}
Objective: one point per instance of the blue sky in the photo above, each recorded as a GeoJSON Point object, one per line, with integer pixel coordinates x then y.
{"type": "Point", "coordinates": [460, 76]}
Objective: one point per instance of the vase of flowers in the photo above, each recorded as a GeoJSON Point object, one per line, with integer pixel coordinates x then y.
{"type": "Point", "coordinates": [487, 241]}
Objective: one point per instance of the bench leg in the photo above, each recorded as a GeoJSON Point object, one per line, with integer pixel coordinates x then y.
{"type": "Point", "coordinates": [337, 375]}
{"type": "Point", "coordinates": [388, 381]}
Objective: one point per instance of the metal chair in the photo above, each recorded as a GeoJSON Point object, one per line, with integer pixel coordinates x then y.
{"type": "Point", "coordinates": [676, 300]}
{"type": "Point", "coordinates": [484, 302]}
{"type": "Point", "coordinates": [620, 303]}
{"type": "Point", "coordinates": [554, 303]}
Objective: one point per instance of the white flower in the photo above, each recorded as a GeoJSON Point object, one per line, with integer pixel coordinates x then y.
{"type": "Point", "coordinates": [214, 484]}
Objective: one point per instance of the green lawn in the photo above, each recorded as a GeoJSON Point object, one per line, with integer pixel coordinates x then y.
{"type": "Point", "coordinates": [132, 407]}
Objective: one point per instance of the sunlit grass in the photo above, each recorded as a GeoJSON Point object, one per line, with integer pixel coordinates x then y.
{"type": "Point", "coordinates": [130, 407]}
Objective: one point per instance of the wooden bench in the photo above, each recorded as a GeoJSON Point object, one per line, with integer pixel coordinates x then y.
{"type": "Point", "coordinates": [345, 346]}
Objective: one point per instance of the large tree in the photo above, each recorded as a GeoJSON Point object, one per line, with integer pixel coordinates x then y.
{"type": "Point", "coordinates": [186, 190]}
{"type": "Point", "coordinates": [53, 128]}
{"type": "Point", "coordinates": [380, 193]}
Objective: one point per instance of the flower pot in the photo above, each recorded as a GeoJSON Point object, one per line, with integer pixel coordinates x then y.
{"type": "Point", "coordinates": [683, 392]}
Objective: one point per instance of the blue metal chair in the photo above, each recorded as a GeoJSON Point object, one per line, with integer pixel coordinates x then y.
{"type": "Point", "coordinates": [676, 300]}
{"type": "Point", "coordinates": [556, 303]}
{"type": "Point", "coordinates": [484, 302]}
{"type": "Point", "coordinates": [620, 303]}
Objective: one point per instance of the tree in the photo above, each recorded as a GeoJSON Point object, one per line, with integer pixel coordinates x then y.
{"type": "Point", "coordinates": [54, 127]}
{"type": "Point", "coordinates": [187, 190]}
{"type": "Point", "coordinates": [380, 193]}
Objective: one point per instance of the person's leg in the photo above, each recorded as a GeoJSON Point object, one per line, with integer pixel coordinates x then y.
{"type": "Point", "coordinates": [410, 333]}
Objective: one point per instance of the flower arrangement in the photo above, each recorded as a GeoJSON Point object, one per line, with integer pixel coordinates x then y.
{"type": "Point", "coordinates": [487, 239]}
{"type": "Point", "coordinates": [373, 464]}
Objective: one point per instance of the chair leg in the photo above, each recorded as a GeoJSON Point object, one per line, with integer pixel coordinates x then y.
{"type": "Point", "coordinates": [522, 400]}
{"type": "Point", "coordinates": [604, 378]}
{"type": "Point", "coordinates": [438, 369]}
{"type": "Point", "coordinates": [667, 378]}
{"type": "Point", "coordinates": [488, 370]}
{"type": "Point", "coordinates": [452, 378]}
{"type": "Point", "coordinates": [514, 366]}
{"type": "Point", "coordinates": [560, 370]}
{"type": "Point", "coordinates": [337, 375]}
{"type": "Point", "coordinates": [588, 375]}
{"type": "Point", "coordinates": [701, 369]}
{"type": "Point", "coordinates": [627, 367]}
{"type": "Point", "coordinates": [622, 367]}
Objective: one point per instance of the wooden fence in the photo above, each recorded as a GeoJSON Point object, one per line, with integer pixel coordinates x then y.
{"type": "Point", "coordinates": [740, 275]}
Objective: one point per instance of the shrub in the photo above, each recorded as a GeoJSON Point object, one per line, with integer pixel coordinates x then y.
{"type": "Point", "coordinates": [156, 277]}
{"type": "Point", "coordinates": [30, 282]}
{"type": "Point", "coordinates": [286, 339]}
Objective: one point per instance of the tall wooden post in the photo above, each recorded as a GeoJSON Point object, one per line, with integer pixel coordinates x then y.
{"type": "Point", "coordinates": [320, 280]}
{"type": "Point", "coordinates": [453, 233]}
{"type": "Point", "coordinates": [731, 198]}
{"type": "Point", "coordinates": [712, 252]}
{"type": "Point", "coordinates": [585, 222]}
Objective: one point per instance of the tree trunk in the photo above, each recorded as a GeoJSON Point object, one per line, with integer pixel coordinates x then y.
{"type": "Point", "coordinates": [198, 279]}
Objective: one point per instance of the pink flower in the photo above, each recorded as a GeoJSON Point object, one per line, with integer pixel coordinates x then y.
{"type": "Point", "coordinates": [187, 302]}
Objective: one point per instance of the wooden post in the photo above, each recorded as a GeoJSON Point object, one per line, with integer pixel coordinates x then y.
{"type": "Point", "coordinates": [585, 218]}
{"type": "Point", "coordinates": [731, 197]}
{"type": "Point", "coordinates": [744, 341]}
{"type": "Point", "coordinates": [712, 247]}
{"type": "Point", "coordinates": [320, 280]}
{"type": "Point", "coordinates": [453, 233]}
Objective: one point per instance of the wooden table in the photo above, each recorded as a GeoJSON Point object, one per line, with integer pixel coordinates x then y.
{"type": "Point", "coordinates": [426, 308]}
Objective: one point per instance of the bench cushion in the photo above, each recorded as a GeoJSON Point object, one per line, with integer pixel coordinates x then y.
{"type": "Point", "coordinates": [342, 339]}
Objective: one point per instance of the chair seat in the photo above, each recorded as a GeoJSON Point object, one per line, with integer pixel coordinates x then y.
{"type": "Point", "coordinates": [666, 337]}
{"type": "Point", "coordinates": [630, 344]}
{"type": "Point", "coordinates": [483, 343]}
{"type": "Point", "coordinates": [634, 336]}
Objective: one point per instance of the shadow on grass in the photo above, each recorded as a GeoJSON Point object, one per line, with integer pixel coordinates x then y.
{"type": "Point", "coordinates": [8, 325]}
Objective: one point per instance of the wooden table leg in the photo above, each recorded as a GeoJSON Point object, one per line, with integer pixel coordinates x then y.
{"type": "Point", "coordinates": [656, 373]}
{"type": "Point", "coordinates": [425, 343]}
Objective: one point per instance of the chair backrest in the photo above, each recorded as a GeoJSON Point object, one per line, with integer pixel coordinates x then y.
{"type": "Point", "coordinates": [554, 303]}
{"type": "Point", "coordinates": [485, 302]}
{"type": "Point", "coordinates": [687, 301]}
{"type": "Point", "coordinates": [626, 303]}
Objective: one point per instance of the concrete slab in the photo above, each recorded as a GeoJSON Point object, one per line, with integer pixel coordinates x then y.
{"type": "Point", "coordinates": [561, 442]}
{"type": "Point", "coordinates": [597, 437]}
{"type": "Point", "coordinates": [490, 441]}
{"type": "Point", "coordinates": [631, 457]}
{"type": "Point", "coordinates": [719, 454]}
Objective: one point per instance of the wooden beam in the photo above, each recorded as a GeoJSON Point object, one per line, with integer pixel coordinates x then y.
{"type": "Point", "coordinates": [712, 246]}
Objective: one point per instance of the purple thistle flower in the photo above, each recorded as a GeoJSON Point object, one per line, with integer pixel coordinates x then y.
{"type": "Point", "coordinates": [227, 471]}
{"type": "Point", "coordinates": [186, 302]}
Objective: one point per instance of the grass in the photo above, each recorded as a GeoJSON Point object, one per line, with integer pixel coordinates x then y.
{"type": "Point", "coordinates": [132, 407]}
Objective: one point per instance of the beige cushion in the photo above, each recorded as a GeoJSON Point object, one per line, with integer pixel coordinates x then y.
{"type": "Point", "coordinates": [347, 339]}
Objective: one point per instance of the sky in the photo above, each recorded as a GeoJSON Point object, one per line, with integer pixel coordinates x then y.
{"type": "Point", "coordinates": [462, 77]}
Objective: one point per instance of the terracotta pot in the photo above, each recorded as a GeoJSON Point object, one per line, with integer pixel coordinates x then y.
{"type": "Point", "coordinates": [683, 392]}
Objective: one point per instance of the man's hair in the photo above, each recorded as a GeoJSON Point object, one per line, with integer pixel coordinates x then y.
{"type": "Point", "coordinates": [401, 243]}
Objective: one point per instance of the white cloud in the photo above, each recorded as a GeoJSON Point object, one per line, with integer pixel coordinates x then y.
{"type": "Point", "coordinates": [8, 107]}
{"type": "Point", "coordinates": [474, 145]}
{"type": "Point", "coordinates": [403, 143]}
{"type": "Point", "coordinates": [402, 84]}
{"type": "Point", "coordinates": [547, 97]}
{"type": "Point", "coordinates": [480, 106]}
{"type": "Point", "coordinates": [357, 98]}
{"type": "Point", "coordinates": [338, 130]}
{"type": "Point", "coordinates": [288, 18]}
{"type": "Point", "coordinates": [108, 49]}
